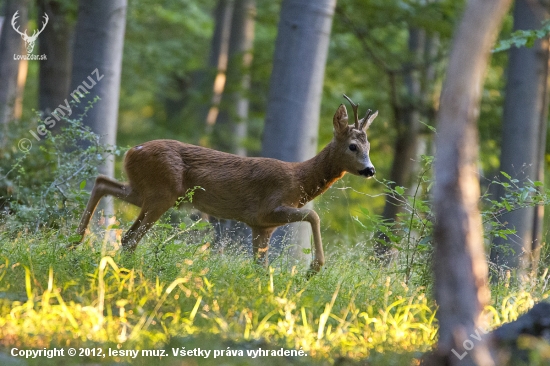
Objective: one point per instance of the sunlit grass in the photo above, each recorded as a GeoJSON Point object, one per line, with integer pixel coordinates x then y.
{"type": "Point", "coordinates": [167, 293]}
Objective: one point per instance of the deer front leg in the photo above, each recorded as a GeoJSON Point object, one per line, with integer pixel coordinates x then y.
{"type": "Point", "coordinates": [285, 215]}
{"type": "Point", "coordinates": [260, 244]}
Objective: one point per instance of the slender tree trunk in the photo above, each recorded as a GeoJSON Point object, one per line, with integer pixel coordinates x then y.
{"type": "Point", "coordinates": [56, 43]}
{"type": "Point", "coordinates": [11, 44]}
{"type": "Point", "coordinates": [540, 162]}
{"type": "Point", "coordinates": [224, 230]}
{"type": "Point", "coordinates": [219, 57]}
{"type": "Point", "coordinates": [523, 138]}
{"type": "Point", "coordinates": [230, 129]}
{"type": "Point", "coordinates": [407, 125]}
{"type": "Point", "coordinates": [292, 118]}
{"type": "Point", "coordinates": [20, 89]}
{"type": "Point", "coordinates": [97, 63]}
{"type": "Point", "coordinates": [461, 288]}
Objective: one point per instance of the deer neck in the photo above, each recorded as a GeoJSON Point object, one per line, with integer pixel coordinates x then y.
{"type": "Point", "coordinates": [317, 174]}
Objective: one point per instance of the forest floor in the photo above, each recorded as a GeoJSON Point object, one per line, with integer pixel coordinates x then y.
{"type": "Point", "coordinates": [175, 303]}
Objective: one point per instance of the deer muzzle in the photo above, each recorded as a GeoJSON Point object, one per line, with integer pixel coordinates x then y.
{"type": "Point", "coordinates": [368, 172]}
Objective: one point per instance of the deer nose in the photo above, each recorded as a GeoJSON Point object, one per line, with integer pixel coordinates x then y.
{"type": "Point", "coordinates": [368, 172]}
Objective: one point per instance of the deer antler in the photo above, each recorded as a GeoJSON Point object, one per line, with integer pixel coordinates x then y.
{"type": "Point", "coordinates": [364, 120]}
{"type": "Point", "coordinates": [369, 117]}
{"type": "Point", "coordinates": [354, 107]}
{"type": "Point", "coordinates": [13, 24]}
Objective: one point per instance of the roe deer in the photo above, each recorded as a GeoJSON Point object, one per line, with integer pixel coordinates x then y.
{"type": "Point", "coordinates": [263, 193]}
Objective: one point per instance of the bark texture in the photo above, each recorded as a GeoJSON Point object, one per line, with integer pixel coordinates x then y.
{"type": "Point", "coordinates": [524, 138]}
{"type": "Point", "coordinates": [219, 57]}
{"type": "Point", "coordinates": [230, 130]}
{"type": "Point", "coordinates": [97, 62]}
{"type": "Point", "coordinates": [56, 43]}
{"type": "Point", "coordinates": [461, 288]}
{"type": "Point", "coordinates": [11, 44]}
{"type": "Point", "coordinates": [292, 118]}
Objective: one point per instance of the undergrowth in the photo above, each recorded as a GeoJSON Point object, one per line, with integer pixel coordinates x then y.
{"type": "Point", "coordinates": [93, 295]}
{"type": "Point", "coordinates": [175, 292]}
{"type": "Point", "coordinates": [99, 296]}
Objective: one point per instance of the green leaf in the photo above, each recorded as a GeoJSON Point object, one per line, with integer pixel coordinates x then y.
{"type": "Point", "coordinates": [507, 205]}
{"type": "Point", "coordinates": [524, 195]}
{"type": "Point", "coordinates": [365, 211]}
{"type": "Point", "coordinates": [400, 190]}
{"type": "Point", "coordinates": [201, 225]}
{"type": "Point", "coordinates": [74, 238]}
{"type": "Point", "coordinates": [522, 38]}
{"type": "Point", "coordinates": [82, 185]}
{"type": "Point", "coordinates": [506, 175]}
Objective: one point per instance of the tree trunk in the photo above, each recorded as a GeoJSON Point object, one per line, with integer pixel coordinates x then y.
{"type": "Point", "coordinates": [56, 43]}
{"type": "Point", "coordinates": [407, 123]}
{"type": "Point", "coordinates": [20, 89]}
{"type": "Point", "coordinates": [292, 117]}
{"type": "Point", "coordinates": [523, 138]}
{"type": "Point", "coordinates": [230, 129]}
{"type": "Point", "coordinates": [219, 57]}
{"type": "Point", "coordinates": [461, 288]}
{"type": "Point", "coordinates": [538, 218]}
{"type": "Point", "coordinates": [97, 63]}
{"type": "Point", "coordinates": [11, 44]}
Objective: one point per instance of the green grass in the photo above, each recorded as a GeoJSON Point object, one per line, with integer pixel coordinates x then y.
{"type": "Point", "coordinates": [171, 294]}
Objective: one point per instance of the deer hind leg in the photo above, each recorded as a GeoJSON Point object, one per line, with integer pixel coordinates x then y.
{"type": "Point", "coordinates": [150, 213]}
{"type": "Point", "coordinates": [105, 186]}
{"type": "Point", "coordinates": [285, 215]}
{"type": "Point", "coordinates": [260, 244]}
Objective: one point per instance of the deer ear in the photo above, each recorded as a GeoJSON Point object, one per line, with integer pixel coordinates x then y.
{"type": "Point", "coordinates": [367, 121]}
{"type": "Point", "coordinates": [340, 120]}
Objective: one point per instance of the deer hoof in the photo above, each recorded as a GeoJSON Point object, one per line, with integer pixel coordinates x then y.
{"type": "Point", "coordinates": [314, 268]}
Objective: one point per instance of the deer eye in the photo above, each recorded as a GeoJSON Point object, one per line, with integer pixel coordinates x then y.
{"type": "Point", "coordinates": [353, 147]}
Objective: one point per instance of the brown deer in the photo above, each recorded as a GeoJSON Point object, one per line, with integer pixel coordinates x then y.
{"type": "Point", "coordinates": [264, 193]}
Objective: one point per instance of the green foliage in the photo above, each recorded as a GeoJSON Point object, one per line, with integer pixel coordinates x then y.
{"type": "Point", "coordinates": [412, 234]}
{"type": "Point", "coordinates": [97, 296]}
{"type": "Point", "coordinates": [523, 38]}
{"type": "Point", "coordinates": [357, 307]}
{"type": "Point", "coordinates": [166, 82]}
{"type": "Point", "coordinates": [188, 197]}
{"type": "Point", "coordinates": [165, 51]}
{"type": "Point", "coordinates": [174, 291]}
{"type": "Point", "coordinates": [370, 60]}
{"type": "Point", "coordinates": [44, 185]}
